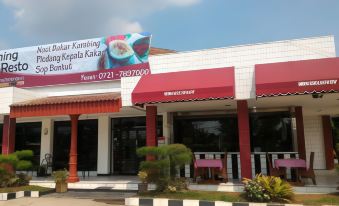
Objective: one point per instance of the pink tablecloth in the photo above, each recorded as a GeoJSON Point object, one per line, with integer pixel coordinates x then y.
{"type": "Point", "coordinates": [290, 163]}
{"type": "Point", "coordinates": [208, 163]}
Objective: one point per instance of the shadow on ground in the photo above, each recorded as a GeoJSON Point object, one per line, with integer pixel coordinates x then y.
{"type": "Point", "coordinates": [93, 194]}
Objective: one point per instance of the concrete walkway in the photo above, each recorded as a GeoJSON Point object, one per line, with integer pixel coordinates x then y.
{"type": "Point", "coordinates": [71, 198]}
{"type": "Point", "coordinates": [55, 201]}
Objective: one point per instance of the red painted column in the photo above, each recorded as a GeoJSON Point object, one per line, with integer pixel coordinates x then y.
{"type": "Point", "coordinates": [151, 128]}
{"type": "Point", "coordinates": [244, 139]}
{"type": "Point", "coordinates": [151, 125]}
{"type": "Point", "coordinates": [328, 142]}
{"type": "Point", "coordinates": [300, 132]}
{"type": "Point", "coordinates": [8, 135]}
{"type": "Point", "coordinates": [73, 154]}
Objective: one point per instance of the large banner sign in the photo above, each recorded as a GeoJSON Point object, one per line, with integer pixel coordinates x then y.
{"type": "Point", "coordinates": [81, 61]}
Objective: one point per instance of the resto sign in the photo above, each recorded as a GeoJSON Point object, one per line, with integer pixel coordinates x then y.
{"type": "Point", "coordinates": [90, 60]}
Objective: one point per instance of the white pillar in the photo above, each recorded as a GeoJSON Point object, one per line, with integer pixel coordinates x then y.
{"type": "Point", "coordinates": [104, 144]}
{"type": "Point", "coordinates": [167, 127]}
{"type": "Point", "coordinates": [47, 132]}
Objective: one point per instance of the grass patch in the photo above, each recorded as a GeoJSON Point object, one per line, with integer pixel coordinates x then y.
{"type": "Point", "coordinates": [307, 199]}
{"type": "Point", "coordinates": [318, 199]}
{"type": "Point", "coordinates": [198, 195]}
{"type": "Point", "coordinates": [25, 188]}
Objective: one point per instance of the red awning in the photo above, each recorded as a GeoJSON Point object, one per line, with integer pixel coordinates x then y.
{"type": "Point", "coordinates": [185, 86]}
{"type": "Point", "coordinates": [297, 77]}
{"type": "Point", "coordinates": [65, 105]}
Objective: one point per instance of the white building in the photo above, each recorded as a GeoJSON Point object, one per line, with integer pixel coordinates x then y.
{"type": "Point", "coordinates": [259, 113]}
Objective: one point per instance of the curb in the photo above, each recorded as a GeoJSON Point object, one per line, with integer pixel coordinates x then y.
{"type": "Point", "coordinates": [135, 201]}
{"type": "Point", "coordinates": [19, 194]}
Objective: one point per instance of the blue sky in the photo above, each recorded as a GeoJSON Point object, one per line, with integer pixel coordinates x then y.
{"type": "Point", "coordinates": [175, 24]}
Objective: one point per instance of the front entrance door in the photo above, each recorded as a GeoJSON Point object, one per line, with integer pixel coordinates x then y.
{"type": "Point", "coordinates": [128, 135]}
{"type": "Point", "coordinates": [87, 145]}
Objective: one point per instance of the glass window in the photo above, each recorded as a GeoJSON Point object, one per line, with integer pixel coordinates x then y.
{"type": "Point", "coordinates": [271, 132]}
{"type": "Point", "coordinates": [207, 134]}
{"type": "Point", "coordinates": [28, 137]}
{"type": "Point", "coordinates": [335, 126]}
{"type": "Point", "coordinates": [87, 144]}
{"type": "Point", "coordinates": [128, 135]}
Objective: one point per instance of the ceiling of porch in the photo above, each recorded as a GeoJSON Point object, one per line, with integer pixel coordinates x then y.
{"type": "Point", "coordinates": [327, 105]}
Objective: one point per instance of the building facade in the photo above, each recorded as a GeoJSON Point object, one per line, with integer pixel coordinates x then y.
{"type": "Point", "coordinates": [249, 100]}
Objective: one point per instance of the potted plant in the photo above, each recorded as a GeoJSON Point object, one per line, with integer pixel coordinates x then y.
{"type": "Point", "coordinates": [60, 179]}
{"type": "Point", "coordinates": [143, 186]}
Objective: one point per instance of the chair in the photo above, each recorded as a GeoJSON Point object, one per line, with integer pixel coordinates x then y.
{"type": "Point", "coordinates": [224, 168]}
{"type": "Point", "coordinates": [46, 165]}
{"type": "Point", "coordinates": [273, 171]}
{"type": "Point", "coordinates": [84, 167]}
{"type": "Point", "coordinates": [309, 172]}
{"type": "Point", "coordinates": [196, 170]}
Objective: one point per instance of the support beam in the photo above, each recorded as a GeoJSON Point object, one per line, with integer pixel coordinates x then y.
{"type": "Point", "coordinates": [73, 154]}
{"type": "Point", "coordinates": [244, 139]}
{"type": "Point", "coordinates": [151, 126]}
{"type": "Point", "coordinates": [47, 131]}
{"type": "Point", "coordinates": [328, 142]}
{"type": "Point", "coordinates": [300, 132]}
{"type": "Point", "coordinates": [167, 125]}
{"type": "Point", "coordinates": [104, 145]}
{"type": "Point", "coordinates": [8, 135]}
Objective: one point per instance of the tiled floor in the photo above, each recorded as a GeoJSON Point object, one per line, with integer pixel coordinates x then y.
{"type": "Point", "coordinates": [327, 182]}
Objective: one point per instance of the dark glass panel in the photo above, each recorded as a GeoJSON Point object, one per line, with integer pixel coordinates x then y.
{"type": "Point", "coordinates": [335, 129]}
{"type": "Point", "coordinates": [207, 134]}
{"type": "Point", "coordinates": [61, 144]}
{"type": "Point", "coordinates": [271, 132]}
{"type": "Point", "coordinates": [28, 137]}
{"type": "Point", "coordinates": [87, 144]}
{"type": "Point", "coordinates": [128, 135]}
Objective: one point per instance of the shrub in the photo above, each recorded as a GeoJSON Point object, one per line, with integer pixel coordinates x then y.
{"type": "Point", "coordinates": [255, 191]}
{"type": "Point", "coordinates": [20, 160]}
{"type": "Point", "coordinates": [11, 159]}
{"type": "Point", "coordinates": [22, 180]}
{"type": "Point", "coordinates": [143, 176]}
{"type": "Point", "coordinates": [60, 175]}
{"type": "Point", "coordinates": [163, 170]}
{"type": "Point", "coordinates": [24, 165]}
{"type": "Point", "coordinates": [179, 155]}
{"type": "Point", "coordinates": [24, 154]}
{"type": "Point", "coordinates": [5, 178]}
{"type": "Point", "coordinates": [268, 188]}
{"type": "Point", "coordinates": [178, 184]}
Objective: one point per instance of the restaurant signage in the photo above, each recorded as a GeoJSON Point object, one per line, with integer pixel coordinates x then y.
{"type": "Point", "coordinates": [317, 83]}
{"type": "Point", "coordinates": [90, 60]}
{"type": "Point", "coordinates": [178, 93]}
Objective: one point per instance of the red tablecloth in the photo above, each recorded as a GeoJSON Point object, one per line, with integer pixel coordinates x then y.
{"type": "Point", "coordinates": [290, 163]}
{"type": "Point", "coordinates": [208, 163]}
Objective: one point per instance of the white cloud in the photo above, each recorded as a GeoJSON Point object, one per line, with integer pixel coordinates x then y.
{"type": "Point", "coordinates": [59, 20]}
{"type": "Point", "coordinates": [183, 2]}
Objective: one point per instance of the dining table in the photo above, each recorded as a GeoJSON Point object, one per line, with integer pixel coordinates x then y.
{"type": "Point", "coordinates": [291, 163]}
{"type": "Point", "coordinates": [211, 164]}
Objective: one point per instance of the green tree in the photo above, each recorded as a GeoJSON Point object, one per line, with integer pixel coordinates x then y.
{"type": "Point", "coordinates": [167, 160]}
{"type": "Point", "coordinates": [19, 160]}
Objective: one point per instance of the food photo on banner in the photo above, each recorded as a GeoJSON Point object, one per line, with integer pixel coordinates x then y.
{"type": "Point", "coordinates": [98, 59]}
